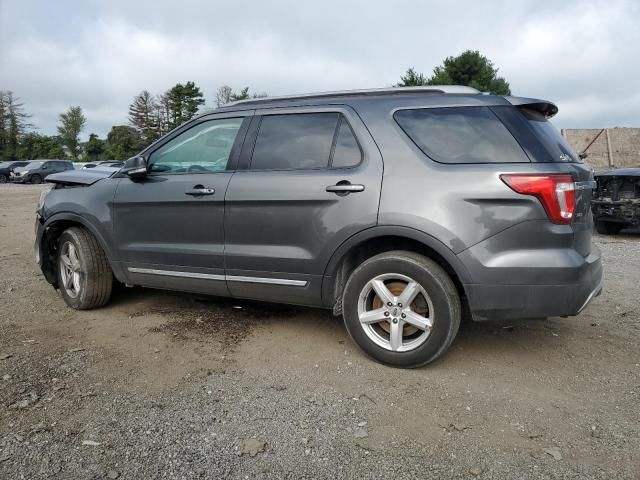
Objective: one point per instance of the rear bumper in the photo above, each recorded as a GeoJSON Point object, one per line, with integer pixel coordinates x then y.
{"type": "Point", "coordinates": [495, 302]}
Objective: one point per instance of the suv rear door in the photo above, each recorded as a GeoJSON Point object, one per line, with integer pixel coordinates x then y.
{"type": "Point", "coordinates": [308, 179]}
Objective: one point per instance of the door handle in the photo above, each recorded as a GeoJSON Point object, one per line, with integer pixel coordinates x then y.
{"type": "Point", "coordinates": [199, 191]}
{"type": "Point", "coordinates": [345, 187]}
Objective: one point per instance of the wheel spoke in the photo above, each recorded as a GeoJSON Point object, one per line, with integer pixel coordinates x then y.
{"type": "Point", "coordinates": [65, 259]}
{"type": "Point", "coordinates": [68, 280]}
{"type": "Point", "coordinates": [409, 293]}
{"type": "Point", "coordinates": [417, 320]}
{"type": "Point", "coordinates": [395, 337]}
{"type": "Point", "coordinates": [382, 291]}
{"type": "Point", "coordinates": [73, 256]}
{"type": "Point", "coordinates": [75, 281]}
{"type": "Point", "coordinates": [373, 316]}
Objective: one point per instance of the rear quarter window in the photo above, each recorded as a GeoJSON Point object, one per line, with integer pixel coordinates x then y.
{"type": "Point", "coordinates": [460, 135]}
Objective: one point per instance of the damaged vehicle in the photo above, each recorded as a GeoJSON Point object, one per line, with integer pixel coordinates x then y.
{"type": "Point", "coordinates": [616, 200]}
{"type": "Point", "coordinates": [399, 209]}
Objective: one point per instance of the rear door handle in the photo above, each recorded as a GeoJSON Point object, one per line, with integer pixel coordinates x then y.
{"type": "Point", "coordinates": [345, 187]}
{"type": "Point", "coordinates": [199, 190]}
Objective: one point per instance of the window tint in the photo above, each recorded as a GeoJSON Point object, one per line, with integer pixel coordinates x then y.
{"type": "Point", "coordinates": [294, 141]}
{"type": "Point", "coordinates": [347, 152]}
{"type": "Point", "coordinates": [461, 135]}
{"type": "Point", "coordinates": [203, 148]}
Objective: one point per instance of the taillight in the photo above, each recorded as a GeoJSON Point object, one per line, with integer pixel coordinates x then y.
{"type": "Point", "coordinates": [556, 192]}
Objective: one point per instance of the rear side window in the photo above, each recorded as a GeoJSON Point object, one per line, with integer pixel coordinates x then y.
{"type": "Point", "coordinates": [460, 135]}
{"type": "Point", "coordinates": [550, 136]}
{"type": "Point", "coordinates": [294, 141]}
{"type": "Point", "coordinates": [346, 152]}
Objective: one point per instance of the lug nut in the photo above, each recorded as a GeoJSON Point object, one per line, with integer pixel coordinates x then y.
{"type": "Point", "coordinates": [395, 320]}
{"type": "Point", "coordinates": [400, 305]}
{"type": "Point", "coordinates": [386, 314]}
{"type": "Point", "coordinates": [403, 315]}
{"type": "Point", "coordinates": [389, 304]}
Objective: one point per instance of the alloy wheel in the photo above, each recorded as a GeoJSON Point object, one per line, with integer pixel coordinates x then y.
{"type": "Point", "coordinates": [70, 272]}
{"type": "Point", "coordinates": [395, 312]}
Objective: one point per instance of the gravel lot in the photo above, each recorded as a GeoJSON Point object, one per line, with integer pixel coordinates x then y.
{"type": "Point", "coordinates": [163, 385]}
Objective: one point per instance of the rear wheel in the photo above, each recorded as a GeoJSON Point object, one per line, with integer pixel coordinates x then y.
{"type": "Point", "coordinates": [402, 309]}
{"type": "Point", "coordinates": [84, 275]}
{"type": "Point", "coordinates": [36, 179]}
{"type": "Point", "coordinates": [608, 228]}
{"type": "Point", "coordinates": [3, 178]}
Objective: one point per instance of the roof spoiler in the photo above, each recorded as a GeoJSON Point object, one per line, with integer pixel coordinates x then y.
{"type": "Point", "coordinates": [548, 109]}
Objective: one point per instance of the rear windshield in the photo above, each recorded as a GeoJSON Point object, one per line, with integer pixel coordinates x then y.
{"type": "Point", "coordinates": [550, 136]}
{"type": "Point", "coordinates": [460, 135]}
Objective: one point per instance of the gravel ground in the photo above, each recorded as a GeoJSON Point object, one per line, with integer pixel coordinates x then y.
{"type": "Point", "coordinates": [162, 385]}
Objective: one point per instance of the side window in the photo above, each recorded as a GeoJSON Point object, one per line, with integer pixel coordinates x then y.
{"type": "Point", "coordinates": [460, 135]}
{"type": "Point", "coordinates": [346, 152]}
{"type": "Point", "coordinates": [203, 148]}
{"type": "Point", "coordinates": [294, 141]}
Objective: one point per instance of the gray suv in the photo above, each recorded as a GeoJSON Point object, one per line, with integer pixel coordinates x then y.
{"type": "Point", "coordinates": [400, 209]}
{"type": "Point", "coordinates": [38, 170]}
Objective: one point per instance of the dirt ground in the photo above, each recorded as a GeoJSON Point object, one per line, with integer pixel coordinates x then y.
{"type": "Point", "coordinates": [164, 385]}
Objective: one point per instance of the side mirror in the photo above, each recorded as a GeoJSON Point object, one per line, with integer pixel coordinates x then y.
{"type": "Point", "coordinates": [44, 167]}
{"type": "Point", "coordinates": [135, 167]}
{"type": "Point", "coordinates": [583, 155]}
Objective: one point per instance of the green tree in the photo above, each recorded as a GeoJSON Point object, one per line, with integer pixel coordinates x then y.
{"type": "Point", "coordinates": [34, 146]}
{"type": "Point", "coordinates": [94, 148]}
{"type": "Point", "coordinates": [184, 101]}
{"type": "Point", "coordinates": [469, 68]}
{"type": "Point", "coordinates": [13, 124]}
{"type": "Point", "coordinates": [411, 78]}
{"type": "Point", "coordinates": [472, 69]}
{"type": "Point", "coordinates": [143, 115]}
{"type": "Point", "coordinates": [123, 142]}
{"type": "Point", "coordinates": [72, 123]}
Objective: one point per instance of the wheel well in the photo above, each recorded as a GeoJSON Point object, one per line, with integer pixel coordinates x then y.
{"type": "Point", "coordinates": [49, 248]}
{"type": "Point", "coordinates": [374, 246]}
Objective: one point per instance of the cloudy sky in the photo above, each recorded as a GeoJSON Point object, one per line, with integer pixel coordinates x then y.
{"type": "Point", "coordinates": [583, 55]}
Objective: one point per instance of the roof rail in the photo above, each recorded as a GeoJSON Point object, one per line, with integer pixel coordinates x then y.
{"type": "Point", "coordinates": [455, 89]}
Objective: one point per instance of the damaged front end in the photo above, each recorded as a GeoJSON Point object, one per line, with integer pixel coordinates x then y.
{"type": "Point", "coordinates": [616, 200]}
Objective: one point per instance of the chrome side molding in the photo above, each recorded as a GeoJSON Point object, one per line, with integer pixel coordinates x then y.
{"type": "Point", "coordinates": [229, 278]}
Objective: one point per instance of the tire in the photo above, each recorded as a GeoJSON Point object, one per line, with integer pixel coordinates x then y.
{"type": "Point", "coordinates": [36, 179]}
{"type": "Point", "coordinates": [3, 178]}
{"type": "Point", "coordinates": [437, 301]}
{"type": "Point", "coordinates": [608, 228]}
{"type": "Point", "coordinates": [80, 254]}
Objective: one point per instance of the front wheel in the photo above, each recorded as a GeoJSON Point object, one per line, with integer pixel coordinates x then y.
{"type": "Point", "coordinates": [84, 275]}
{"type": "Point", "coordinates": [3, 178]}
{"type": "Point", "coordinates": [402, 309]}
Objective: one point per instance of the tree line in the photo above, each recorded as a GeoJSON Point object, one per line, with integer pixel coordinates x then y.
{"type": "Point", "coordinates": [151, 116]}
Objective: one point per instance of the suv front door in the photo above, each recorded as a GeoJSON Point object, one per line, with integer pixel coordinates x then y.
{"type": "Point", "coordinates": [169, 226]}
{"type": "Point", "coordinates": [308, 179]}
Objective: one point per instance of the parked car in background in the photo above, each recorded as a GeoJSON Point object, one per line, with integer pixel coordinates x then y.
{"type": "Point", "coordinates": [104, 163]}
{"type": "Point", "coordinates": [616, 200]}
{"type": "Point", "coordinates": [37, 170]}
{"type": "Point", "coordinates": [398, 208]}
{"type": "Point", "coordinates": [7, 167]}
{"type": "Point", "coordinates": [111, 163]}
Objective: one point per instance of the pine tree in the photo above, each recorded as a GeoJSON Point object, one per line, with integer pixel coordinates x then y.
{"type": "Point", "coordinates": [184, 101]}
{"type": "Point", "coordinates": [143, 116]}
